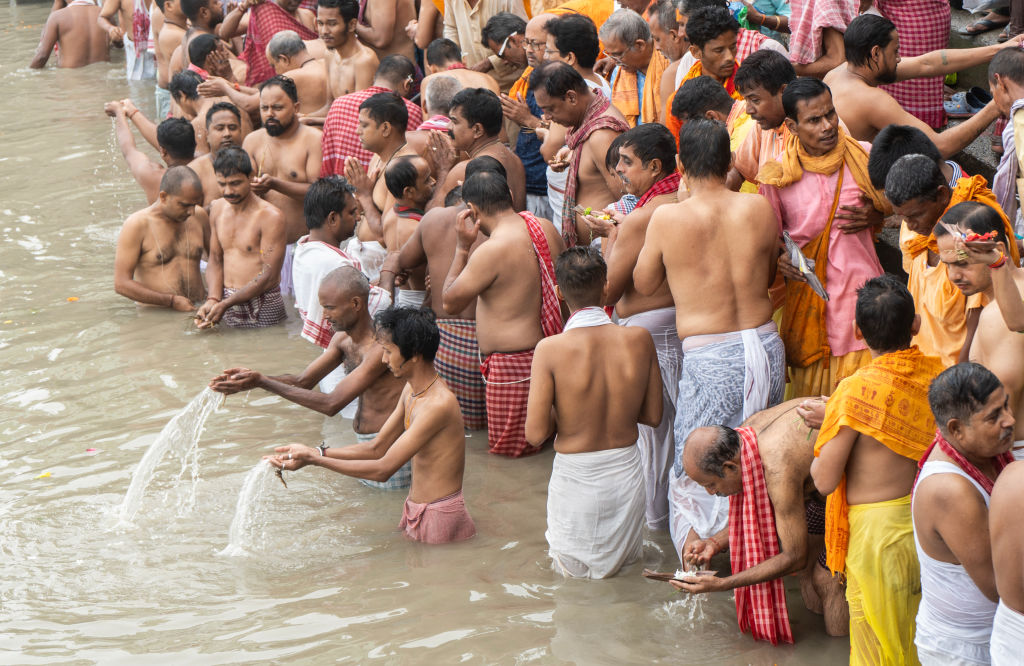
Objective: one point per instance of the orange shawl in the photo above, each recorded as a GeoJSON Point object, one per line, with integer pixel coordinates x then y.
{"type": "Point", "coordinates": [974, 189]}
{"type": "Point", "coordinates": [674, 124]}
{"type": "Point", "coordinates": [888, 400]}
{"type": "Point", "coordinates": [626, 96]}
{"type": "Point", "coordinates": [597, 11]}
{"type": "Point", "coordinates": [521, 86]}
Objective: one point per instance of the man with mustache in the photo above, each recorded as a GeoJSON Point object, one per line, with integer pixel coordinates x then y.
{"type": "Point", "coordinates": [223, 128]}
{"type": "Point", "coordinates": [873, 60]}
{"type": "Point", "coordinates": [350, 63]}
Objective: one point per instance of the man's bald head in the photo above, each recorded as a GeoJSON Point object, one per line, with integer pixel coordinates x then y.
{"type": "Point", "coordinates": [711, 457]}
{"type": "Point", "coordinates": [178, 178]}
{"type": "Point", "coordinates": [347, 282]}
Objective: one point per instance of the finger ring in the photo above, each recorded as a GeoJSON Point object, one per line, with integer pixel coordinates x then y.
{"type": "Point", "coordinates": [289, 456]}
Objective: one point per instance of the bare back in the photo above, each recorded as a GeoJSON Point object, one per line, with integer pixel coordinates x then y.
{"type": "Point", "coordinates": [874, 473]}
{"type": "Point", "coordinates": [81, 41]}
{"type": "Point", "coordinates": [785, 447]}
{"type": "Point", "coordinates": [310, 84]}
{"type": "Point", "coordinates": [857, 103]}
{"type": "Point", "coordinates": [397, 231]}
{"type": "Point", "coordinates": [438, 465]}
{"type": "Point", "coordinates": [467, 77]}
{"type": "Point", "coordinates": [399, 13]}
{"type": "Point", "coordinates": [1007, 537]}
{"type": "Point", "coordinates": [437, 238]}
{"type": "Point", "coordinates": [203, 166]}
{"type": "Point", "coordinates": [622, 258]}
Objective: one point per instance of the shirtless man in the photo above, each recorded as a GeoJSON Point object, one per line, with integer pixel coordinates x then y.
{"type": "Point", "coordinates": [343, 295]}
{"type": "Point", "coordinates": [158, 250]}
{"type": "Point", "coordinates": [1007, 554]}
{"type": "Point", "coordinates": [246, 251]}
{"type": "Point", "coordinates": [409, 181]}
{"type": "Point", "coordinates": [172, 31]}
{"type": "Point", "coordinates": [132, 32]}
{"type": "Point", "coordinates": [223, 128]}
{"type": "Point", "coordinates": [510, 275]}
{"type": "Point", "coordinates": [383, 27]}
{"type": "Point", "coordinates": [872, 54]}
{"type": "Point", "coordinates": [177, 142]}
{"type": "Point", "coordinates": [204, 17]}
{"type": "Point", "coordinates": [725, 243]}
{"type": "Point", "coordinates": [424, 428]}
{"type": "Point", "coordinates": [286, 152]}
{"type": "Point", "coordinates": [444, 58]}
{"type": "Point", "coordinates": [74, 29]}
{"type": "Point", "coordinates": [185, 93]}
{"type": "Point", "coordinates": [596, 382]}
{"type": "Point", "coordinates": [350, 63]}
{"type": "Point", "coordinates": [593, 123]}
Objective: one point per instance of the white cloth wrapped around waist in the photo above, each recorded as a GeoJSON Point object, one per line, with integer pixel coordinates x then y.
{"type": "Point", "coordinates": [1007, 636]}
{"type": "Point", "coordinates": [410, 298]}
{"type": "Point", "coordinates": [595, 511]}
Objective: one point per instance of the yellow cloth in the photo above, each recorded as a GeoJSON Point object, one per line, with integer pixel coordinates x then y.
{"type": "Point", "coordinates": [888, 400]}
{"type": "Point", "coordinates": [521, 86]}
{"type": "Point", "coordinates": [883, 584]}
{"type": "Point", "coordinates": [440, 6]}
{"type": "Point", "coordinates": [597, 11]}
{"type": "Point", "coordinates": [795, 160]}
{"type": "Point", "coordinates": [822, 376]}
{"type": "Point", "coordinates": [674, 124]}
{"type": "Point", "coordinates": [639, 106]}
{"type": "Point", "coordinates": [739, 125]}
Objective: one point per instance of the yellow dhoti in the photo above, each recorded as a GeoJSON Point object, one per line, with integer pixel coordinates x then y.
{"type": "Point", "coordinates": [816, 379]}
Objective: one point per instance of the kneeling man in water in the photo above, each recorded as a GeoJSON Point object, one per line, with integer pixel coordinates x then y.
{"type": "Point", "coordinates": [426, 428]}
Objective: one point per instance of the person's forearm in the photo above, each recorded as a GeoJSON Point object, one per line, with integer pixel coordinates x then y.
{"type": "Point", "coordinates": [770, 569]}
{"type": "Point", "coordinates": [292, 380]}
{"type": "Point", "coordinates": [1008, 297]}
{"type": "Point", "coordinates": [310, 399]}
{"type": "Point", "coordinates": [137, 292]}
{"type": "Point", "coordinates": [373, 38]}
{"type": "Point", "coordinates": [945, 61]}
{"type": "Point", "coordinates": [215, 276]}
{"type": "Point", "coordinates": [258, 285]}
{"type": "Point", "coordinates": [146, 127]}
{"type": "Point", "coordinates": [458, 265]}
{"type": "Point", "coordinates": [386, 281]}
{"type": "Point", "coordinates": [229, 26]}
{"type": "Point", "coordinates": [953, 140]}
{"type": "Point", "coordinates": [125, 140]}
{"type": "Point", "coordinates": [372, 469]}
{"type": "Point", "coordinates": [104, 23]}
{"type": "Point", "coordinates": [290, 188]}
{"type": "Point", "coordinates": [244, 99]}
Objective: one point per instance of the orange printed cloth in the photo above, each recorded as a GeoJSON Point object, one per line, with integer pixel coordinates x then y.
{"type": "Point", "coordinates": [636, 105]}
{"type": "Point", "coordinates": [888, 400]}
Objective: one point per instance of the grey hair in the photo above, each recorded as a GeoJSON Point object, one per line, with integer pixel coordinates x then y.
{"type": "Point", "coordinates": [724, 448]}
{"type": "Point", "coordinates": [913, 177]}
{"type": "Point", "coordinates": [439, 93]}
{"type": "Point", "coordinates": [285, 43]}
{"type": "Point", "coordinates": [626, 26]}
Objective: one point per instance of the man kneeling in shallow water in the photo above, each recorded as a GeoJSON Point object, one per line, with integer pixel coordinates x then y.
{"type": "Point", "coordinates": [426, 427]}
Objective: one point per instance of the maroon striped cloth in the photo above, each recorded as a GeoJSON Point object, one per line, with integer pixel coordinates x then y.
{"type": "Point", "coordinates": [266, 20]}
{"type": "Point", "coordinates": [507, 377]}
{"type": "Point", "coordinates": [923, 26]}
{"type": "Point", "coordinates": [550, 310]}
{"type": "Point", "coordinates": [441, 521]}
{"type": "Point", "coordinates": [267, 309]}
{"type": "Point", "coordinates": [458, 363]}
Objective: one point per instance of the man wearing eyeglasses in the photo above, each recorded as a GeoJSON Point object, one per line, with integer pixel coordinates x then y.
{"type": "Point", "coordinates": [636, 79]}
{"type": "Point", "coordinates": [465, 23]}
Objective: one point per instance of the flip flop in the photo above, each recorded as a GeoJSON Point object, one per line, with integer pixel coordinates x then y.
{"type": "Point", "coordinates": [980, 26]}
{"type": "Point", "coordinates": [961, 105]}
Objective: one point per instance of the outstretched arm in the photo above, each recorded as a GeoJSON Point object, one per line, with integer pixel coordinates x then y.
{"type": "Point", "coordinates": [146, 174]}
{"type": "Point", "coordinates": [947, 61]}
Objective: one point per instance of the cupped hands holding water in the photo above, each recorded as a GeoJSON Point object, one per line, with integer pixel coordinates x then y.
{"type": "Point", "coordinates": [234, 380]}
{"type": "Point", "coordinates": [292, 456]}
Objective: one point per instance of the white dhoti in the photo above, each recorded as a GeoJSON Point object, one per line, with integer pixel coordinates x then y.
{"type": "Point", "coordinates": [371, 256]}
{"type": "Point", "coordinates": [286, 269]}
{"type": "Point", "coordinates": [657, 445]}
{"type": "Point", "coordinates": [1007, 636]}
{"type": "Point", "coordinates": [595, 512]}
{"type": "Point", "coordinates": [725, 378]}
{"type": "Point", "coordinates": [410, 298]}
{"type": "Point", "coordinates": [330, 382]}
{"type": "Point", "coordinates": [1018, 450]}
{"type": "Point", "coordinates": [138, 66]}
{"type": "Point", "coordinates": [401, 479]}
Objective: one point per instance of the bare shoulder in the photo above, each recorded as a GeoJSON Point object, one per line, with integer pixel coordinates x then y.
{"type": "Point", "coordinates": [666, 214]}
{"type": "Point", "coordinates": [269, 213]}
{"type": "Point", "coordinates": [311, 135]}
{"type": "Point", "coordinates": [947, 492]}
{"type": "Point", "coordinates": [365, 55]}
{"type": "Point", "coordinates": [254, 140]}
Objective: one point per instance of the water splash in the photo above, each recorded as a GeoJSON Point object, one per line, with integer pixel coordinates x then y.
{"type": "Point", "coordinates": [181, 435]}
{"type": "Point", "coordinates": [248, 527]}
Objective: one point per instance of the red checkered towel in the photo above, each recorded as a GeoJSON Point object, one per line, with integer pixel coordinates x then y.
{"type": "Point", "coordinates": [266, 20]}
{"type": "Point", "coordinates": [340, 139]}
{"type": "Point", "coordinates": [923, 26]}
{"type": "Point", "coordinates": [809, 20]}
{"type": "Point", "coordinates": [458, 364]}
{"type": "Point", "coordinates": [507, 377]}
{"type": "Point", "coordinates": [761, 608]}
{"type": "Point", "coordinates": [550, 311]}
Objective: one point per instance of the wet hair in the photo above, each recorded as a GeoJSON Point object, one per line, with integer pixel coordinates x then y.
{"type": "Point", "coordinates": [185, 84]}
{"type": "Point", "coordinates": [395, 69]}
{"type": "Point", "coordinates": [479, 105]}
{"type": "Point", "coordinates": [222, 106]}
{"type": "Point", "coordinates": [576, 34]}
{"type": "Point", "coordinates": [201, 47]}
{"type": "Point", "coordinates": [324, 196]}
{"type": "Point", "coordinates": [892, 143]}
{"type": "Point", "coordinates": [652, 141]}
{"type": "Point", "coordinates": [626, 26]}
{"type": "Point", "coordinates": [766, 68]}
{"type": "Point", "coordinates": [190, 8]}
{"type": "Point", "coordinates": [665, 12]}
{"type": "Point", "coordinates": [485, 163]}
{"type": "Point", "coordinates": [349, 9]}
{"type": "Point", "coordinates": [177, 137]}
{"type": "Point", "coordinates": [454, 197]}
{"type": "Point", "coordinates": [581, 274]}
{"type": "Point", "coordinates": [413, 331]}
{"type": "Point", "coordinates": [500, 26]}
{"type": "Point", "coordinates": [177, 178]}
{"type": "Point", "coordinates": [488, 191]}
{"type": "Point", "coordinates": [800, 90]}
{"type": "Point", "coordinates": [160, 4]}
{"type": "Point", "coordinates": [709, 23]}
{"type": "Point", "coordinates": [1008, 64]}
{"type": "Point", "coordinates": [704, 149]}
{"type": "Point", "coordinates": [885, 313]}
{"type": "Point", "coordinates": [698, 96]}
{"type": "Point", "coordinates": [975, 217]}
{"type": "Point", "coordinates": [959, 392]}
{"type": "Point", "coordinates": [285, 43]}
{"type": "Point", "coordinates": [283, 82]}
{"type": "Point", "coordinates": [443, 51]}
{"type": "Point", "coordinates": [722, 449]}
{"type": "Point", "coordinates": [440, 91]}
{"type": "Point", "coordinates": [863, 34]}
{"type": "Point", "coordinates": [611, 158]}
{"type": "Point", "coordinates": [688, 7]}
{"type": "Point", "coordinates": [400, 174]}
{"type": "Point", "coordinates": [913, 177]}
{"type": "Point", "coordinates": [231, 160]}
{"type": "Point", "coordinates": [557, 79]}
{"type": "Point", "coordinates": [387, 107]}
{"type": "Point", "coordinates": [350, 280]}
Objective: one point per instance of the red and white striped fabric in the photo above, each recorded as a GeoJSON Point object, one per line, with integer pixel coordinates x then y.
{"type": "Point", "coordinates": [748, 41]}
{"type": "Point", "coordinates": [438, 122]}
{"type": "Point", "coordinates": [761, 608]}
{"type": "Point", "coordinates": [923, 26]}
{"type": "Point", "coordinates": [809, 20]}
{"type": "Point", "coordinates": [550, 310]}
{"type": "Point", "coordinates": [266, 20]}
{"type": "Point", "coordinates": [507, 380]}
{"type": "Point", "coordinates": [340, 139]}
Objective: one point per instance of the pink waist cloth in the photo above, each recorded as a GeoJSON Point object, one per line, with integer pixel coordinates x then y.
{"type": "Point", "coordinates": [441, 521]}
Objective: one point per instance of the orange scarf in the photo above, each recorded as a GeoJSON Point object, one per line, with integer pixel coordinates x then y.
{"type": "Point", "coordinates": [674, 124]}
{"type": "Point", "coordinates": [974, 189]}
{"type": "Point", "coordinates": [521, 86]}
{"type": "Point", "coordinates": [626, 96]}
{"type": "Point", "coordinates": [888, 400]}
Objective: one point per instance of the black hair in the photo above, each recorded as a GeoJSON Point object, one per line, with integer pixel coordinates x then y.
{"type": "Point", "coordinates": [177, 178]}
{"type": "Point", "coordinates": [724, 448]}
{"type": "Point", "coordinates": [892, 143]}
{"type": "Point", "coordinates": [698, 96]}
{"type": "Point", "coordinates": [485, 163]}
{"type": "Point", "coordinates": [704, 149]}
{"type": "Point", "coordinates": [349, 9]}
{"type": "Point", "coordinates": [454, 197]}
{"type": "Point", "coordinates": [611, 158]}
{"type": "Point", "coordinates": [708, 23]}
{"type": "Point", "coordinates": [190, 8]}
{"type": "Point", "coordinates": [766, 68]}
{"type": "Point", "coordinates": [652, 141]}
{"type": "Point", "coordinates": [557, 79]}
{"type": "Point", "coordinates": [283, 82]}
{"type": "Point", "coordinates": [885, 313]}
{"type": "Point", "coordinates": [688, 7]}
{"type": "Point", "coordinates": [177, 137]}
{"type": "Point", "coordinates": [324, 196]}
{"type": "Point", "coordinates": [395, 69]}
{"type": "Point", "coordinates": [973, 216]}
{"type": "Point", "coordinates": [200, 47]}
{"type": "Point", "coordinates": [442, 51]}
{"type": "Point", "coordinates": [959, 392]}
{"type": "Point", "coordinates": [488, 191]}
{"type": "Point", "coordinates": [1008, 64]}
{"type": "Point", "coordinates": [913, 177]}
{"type": "Point", "coordinates": [185, 84]}
{"type": "Point", "coordinates": [863, 34]}
{"type": "Point", "coordinates": [581, 273]}
{"type": "Point", "coordinates": [413, 331]}
{"type": "Point", "coordinates": [387, 107]}
{"type": "Point", "coordinates": [800, 90]}
{"type": "Point", "coordinates": [400, 174]}
{"type": "Point", "coordinates": [231, 160]}
{"type": "Point", "coordinates": [576, 33]}
{"type": "Point", "coordinates": [160, 4]}
{"type": "Point", "coordinates": [500, 26]}
{"type": "Point", "coordinates": [479, 105]}
{"type": "Point", "coordinates": [222, 106]}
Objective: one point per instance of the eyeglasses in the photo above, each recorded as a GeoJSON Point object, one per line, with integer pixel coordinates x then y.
{"type": "Point", "coordinates": [504, 44]}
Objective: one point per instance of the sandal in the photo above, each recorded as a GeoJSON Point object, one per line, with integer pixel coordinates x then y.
{"type": "Point", "coordinates": [966, 104]}
{"type": "Point", "coordinates": [982, 25]}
